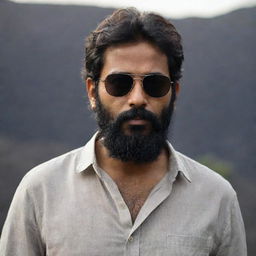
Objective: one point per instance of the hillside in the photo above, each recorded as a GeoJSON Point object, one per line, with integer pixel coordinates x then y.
{"type": "Point", "coordinates": [44, 106]}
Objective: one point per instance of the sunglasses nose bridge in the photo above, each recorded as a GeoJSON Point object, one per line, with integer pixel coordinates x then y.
{"type": "Point", "coordinates": [138, 78]}
{"type": "Point", "coordinates": [137, 95]}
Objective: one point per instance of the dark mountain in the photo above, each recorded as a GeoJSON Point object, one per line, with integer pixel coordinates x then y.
{"type": "Point", "coordinates": [43, 103]}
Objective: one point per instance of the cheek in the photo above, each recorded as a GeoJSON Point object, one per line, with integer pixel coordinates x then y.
{"type": "Point", "coordinates": [115, 105]}
{"type": "Point", "coordinates": [159, 104]}
{"type": "Point", "coordinates": [105, 98]}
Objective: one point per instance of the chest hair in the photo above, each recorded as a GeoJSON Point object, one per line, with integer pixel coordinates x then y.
{"type": "Point", "coordinates": [134, 197]}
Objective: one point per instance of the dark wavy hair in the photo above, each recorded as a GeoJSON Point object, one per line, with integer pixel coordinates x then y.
{"type": "Point", "coordinates": [130, 25]}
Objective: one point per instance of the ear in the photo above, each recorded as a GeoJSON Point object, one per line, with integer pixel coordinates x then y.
{"type": "Point", "coordinates": [177, 88]}
{"type": "Point", "coordinates": [91, 88]}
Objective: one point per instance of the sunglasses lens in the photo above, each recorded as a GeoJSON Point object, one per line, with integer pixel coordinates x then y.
{"type": "Point", "coordinates": [118, 84]}
{"type": "Point", "coordinates": [156, 85]}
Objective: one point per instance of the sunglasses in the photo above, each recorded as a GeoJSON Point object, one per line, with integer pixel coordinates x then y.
{"type": "Point", "coordinates": [120, 84]}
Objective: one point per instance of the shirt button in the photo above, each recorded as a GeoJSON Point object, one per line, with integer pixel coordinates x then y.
{"type": "Point", "coordinates": [130, 239]}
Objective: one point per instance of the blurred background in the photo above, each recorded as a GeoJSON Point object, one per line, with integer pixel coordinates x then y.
{"type": "Point", "coordinates": [43, 103]}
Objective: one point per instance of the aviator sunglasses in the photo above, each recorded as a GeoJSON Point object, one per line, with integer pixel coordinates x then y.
{"type": "Point", "coordinates": [120, 84]}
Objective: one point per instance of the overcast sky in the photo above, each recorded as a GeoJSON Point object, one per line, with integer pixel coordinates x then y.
{"type": "Point", "coordinates": [170, 8]}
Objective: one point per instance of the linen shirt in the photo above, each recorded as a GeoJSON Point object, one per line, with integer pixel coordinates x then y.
{"type": "Point", "coordinates": [68, 206]}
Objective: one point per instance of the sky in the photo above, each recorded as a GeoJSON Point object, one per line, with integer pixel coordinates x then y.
{"type": "Point", "coordinates": [168, 8]}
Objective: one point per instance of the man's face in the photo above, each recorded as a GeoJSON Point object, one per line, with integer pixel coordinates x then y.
{"type": "Point", "coordinates": [134, 126]}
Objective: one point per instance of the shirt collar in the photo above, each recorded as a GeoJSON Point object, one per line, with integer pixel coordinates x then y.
{"type": "Point", "coordinates": [87, 158]}
{"type": "Point", "coordinates": [177, 164]}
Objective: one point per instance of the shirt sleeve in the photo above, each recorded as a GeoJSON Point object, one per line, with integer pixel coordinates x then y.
{"type": "Point", "coordinates": [20, 235]}
{"type": "Point", "coordinates": [233, 240]}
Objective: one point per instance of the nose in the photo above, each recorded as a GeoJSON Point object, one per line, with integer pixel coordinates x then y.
{"type": "Point", "coordinates": [137, 96]}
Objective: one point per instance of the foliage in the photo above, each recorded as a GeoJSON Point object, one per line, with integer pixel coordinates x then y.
{"type": "Point", "coordinates": [223, 167]}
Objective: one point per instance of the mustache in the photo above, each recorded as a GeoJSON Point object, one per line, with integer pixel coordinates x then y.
{"type": "Point", "coordinates": [141, 113]}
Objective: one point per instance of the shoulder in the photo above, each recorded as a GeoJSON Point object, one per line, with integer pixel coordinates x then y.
{"type": "Point", "coordinates": [59, 174]}
{"type": "Point", "coordinates": [205, 179]}
{"type": "Point", "coordinates": [51, 171]}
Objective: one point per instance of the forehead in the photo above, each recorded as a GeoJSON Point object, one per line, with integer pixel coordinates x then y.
{"type": "Point", "coordinates": [137, 57]}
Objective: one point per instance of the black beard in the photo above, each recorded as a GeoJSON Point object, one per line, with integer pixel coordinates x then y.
{"type": "Point", "coordinates": [137, 147]}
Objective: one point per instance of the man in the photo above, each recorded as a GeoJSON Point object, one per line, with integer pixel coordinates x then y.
{"type": "Point", "coordinates": [127, 192]}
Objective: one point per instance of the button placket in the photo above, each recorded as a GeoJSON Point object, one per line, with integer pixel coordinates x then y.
{"type": "Point", "coordinates": [123, 211]}
{"type": "Point", "coordinates": [133, 245]}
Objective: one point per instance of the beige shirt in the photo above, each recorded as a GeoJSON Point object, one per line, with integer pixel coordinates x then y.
{"type": "Point", "coordinates": [70, 207]}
